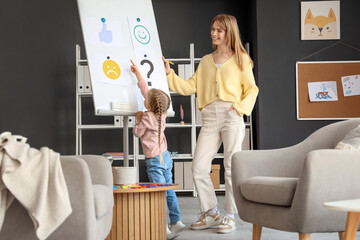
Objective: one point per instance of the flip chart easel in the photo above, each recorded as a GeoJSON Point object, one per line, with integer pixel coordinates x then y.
{"type": "Point", "coordinates": [114, 32]}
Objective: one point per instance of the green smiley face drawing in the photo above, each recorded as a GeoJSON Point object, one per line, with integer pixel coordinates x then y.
{"type": "Point", "coordinates": [141, 34]}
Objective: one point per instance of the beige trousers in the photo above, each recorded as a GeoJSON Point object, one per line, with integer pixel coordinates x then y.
{"type": "Point", "coordinates": [218, 125]}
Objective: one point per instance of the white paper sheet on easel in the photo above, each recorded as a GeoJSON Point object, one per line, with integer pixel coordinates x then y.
{"type": "Point", "coordinates": [322, 91]}
{"type": "Point", "coordinates": [141, 34]}
{"type": "Point", "coordinates": [351, 85]}
{"type": "Point", "coordinates": [150, 64]}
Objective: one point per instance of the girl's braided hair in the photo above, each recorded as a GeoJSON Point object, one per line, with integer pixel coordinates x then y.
{"type": "Point", "coordinates": [159, 103]}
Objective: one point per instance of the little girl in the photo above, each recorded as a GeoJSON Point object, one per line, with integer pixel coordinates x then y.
{"type": "Point", "coordinates": [149, 127]}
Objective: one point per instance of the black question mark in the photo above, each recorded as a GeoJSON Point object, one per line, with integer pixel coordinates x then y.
{"type": "Point", "coordinates": [151, 66]}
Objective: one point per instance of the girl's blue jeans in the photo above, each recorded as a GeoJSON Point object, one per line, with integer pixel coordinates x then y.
{"type": "Point", "coordinates": [161, 173]}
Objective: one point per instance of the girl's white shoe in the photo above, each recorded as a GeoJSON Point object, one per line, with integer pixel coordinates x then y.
{"type": "Point", "coordinates": [175, 230]}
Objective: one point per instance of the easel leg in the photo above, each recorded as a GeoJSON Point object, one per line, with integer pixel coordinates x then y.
{"type": "Point", "coordinates": [126, 140]}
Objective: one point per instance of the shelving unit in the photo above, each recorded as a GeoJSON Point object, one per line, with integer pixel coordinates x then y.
{"type": "Point", "coordinates": [187, 65]}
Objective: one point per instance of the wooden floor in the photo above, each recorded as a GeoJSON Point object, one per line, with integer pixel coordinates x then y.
{"type": "Point", "coordinates": [189, 208]}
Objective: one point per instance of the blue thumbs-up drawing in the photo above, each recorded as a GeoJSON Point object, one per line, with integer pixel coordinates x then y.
{"type": "Point", "coordinates": [105, 35]}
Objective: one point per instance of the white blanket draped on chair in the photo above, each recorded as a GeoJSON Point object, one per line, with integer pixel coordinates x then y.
{"type": "Point", "coordinates": [35, 178]}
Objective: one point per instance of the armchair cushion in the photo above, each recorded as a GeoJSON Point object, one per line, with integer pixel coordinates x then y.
{"type": "Point", "coordinates": [269, 190]}
{"type": "Point", "coordinates": [103, 205]}
{"type": "Point", "coordinates": [351, 140]}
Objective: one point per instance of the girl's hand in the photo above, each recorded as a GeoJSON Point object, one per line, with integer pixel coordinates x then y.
{"type": "Point", "coordinates": [139, 116]}
{"type": "Point", "coordinates": [166, 65]}
{"type": "Point", "coordinates": [136, 71]}
{"type": "Point", "coordinates": [133, 67]}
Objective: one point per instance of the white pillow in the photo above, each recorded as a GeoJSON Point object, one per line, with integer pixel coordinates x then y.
{"type": "Point", "coordinates": [351, 141]}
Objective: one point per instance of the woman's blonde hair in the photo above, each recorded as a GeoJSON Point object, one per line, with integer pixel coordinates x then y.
{"type": "Point", "coordinates": [233, 41]}
{"type": "Point", "coordinates": [159, 103]}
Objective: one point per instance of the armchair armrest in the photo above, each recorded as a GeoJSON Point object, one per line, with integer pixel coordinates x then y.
{"type": "Point", "coordinates": [327, 175]}
{"type": "Point", "coordinates": [78, 181]}
{"type": "Point", "coordinates": [100, 169]}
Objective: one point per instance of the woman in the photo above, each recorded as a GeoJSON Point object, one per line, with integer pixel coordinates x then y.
{"type": "Point", "coordinates": [226, 90]}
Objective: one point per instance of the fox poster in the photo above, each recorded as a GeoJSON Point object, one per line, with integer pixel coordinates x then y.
{"type": "Point", "coordinates": [320, 20]}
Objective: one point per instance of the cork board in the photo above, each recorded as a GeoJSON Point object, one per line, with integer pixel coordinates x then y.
{"type": "Point", "coordinates": [344, 108]}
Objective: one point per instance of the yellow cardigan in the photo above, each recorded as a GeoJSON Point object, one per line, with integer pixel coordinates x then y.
{"type": "Point", "coordinates": [227, 82]}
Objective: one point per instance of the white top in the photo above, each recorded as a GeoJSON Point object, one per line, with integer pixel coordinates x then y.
{"type": "Point", "coordinates": [346, 205]}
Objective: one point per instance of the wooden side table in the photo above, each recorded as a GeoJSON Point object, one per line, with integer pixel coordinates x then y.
{"type": "Point", "coordinates": [139, 214]}
{"type": "Point", "coordinates": [353, 218]}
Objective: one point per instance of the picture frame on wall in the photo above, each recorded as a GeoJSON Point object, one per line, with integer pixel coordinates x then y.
{"type": "Point", "coordinates": [320, 20]}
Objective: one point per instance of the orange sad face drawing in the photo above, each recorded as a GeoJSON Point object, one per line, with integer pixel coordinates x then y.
{"type": "Point", "coordinates": [111, 69]}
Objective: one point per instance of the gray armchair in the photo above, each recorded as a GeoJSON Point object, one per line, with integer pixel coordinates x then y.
{"type": "Point", "coordinates": [90, 184]}
{"type": "Point", "coordinates": [285, 189]}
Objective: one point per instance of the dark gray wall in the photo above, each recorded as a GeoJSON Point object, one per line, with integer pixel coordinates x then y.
{"type": "Point", "coordinates": [278, 48]}
{"type": "Point", "coordinates": [183, 22]}
{"type": "Point", "coordinates": [37, 71]}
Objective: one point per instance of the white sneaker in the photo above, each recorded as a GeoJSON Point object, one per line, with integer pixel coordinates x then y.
{"type": "Point", "coordinates": [226, 225]}
{"type": "Point", "coordinates": [168, 232]}
{"type": "Point", "coordinates": [175, 230]}
{"type": "Point", "coordinates": [206, 220]}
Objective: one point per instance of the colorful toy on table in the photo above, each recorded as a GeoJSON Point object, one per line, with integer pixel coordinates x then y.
{"type": "Point", "coordinates": [149, 185]}
{"type": "Point", "coordinates": [129, 186]}
{"type": "Point", "coordinates": [137, 187]}
{"type": "Point", "coordinates": [182, 115]}
{"type": "Point", "coordinates": [152, 185]}
{"type": "Point", "coordinates": [142, 185]}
